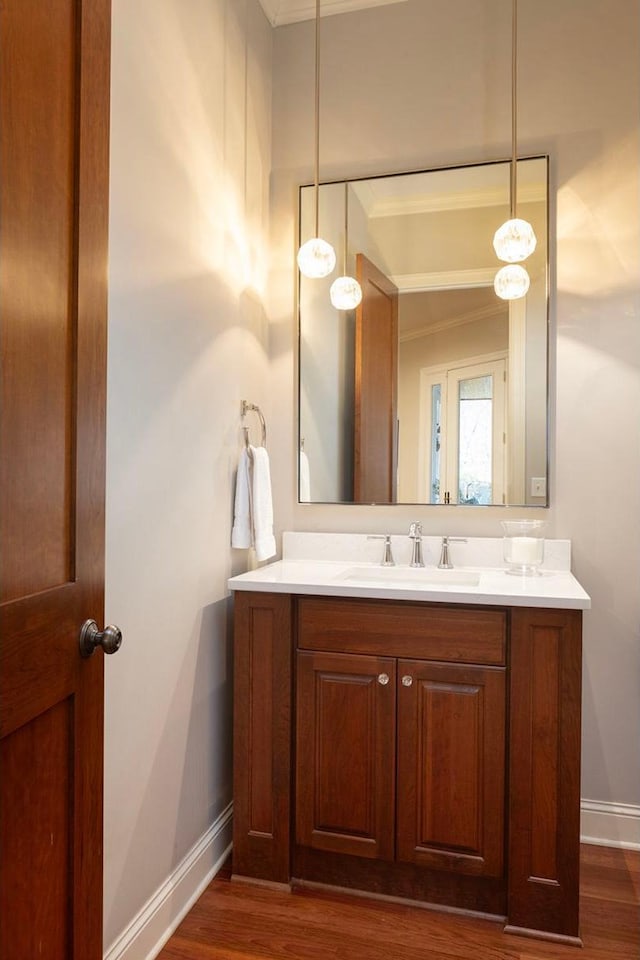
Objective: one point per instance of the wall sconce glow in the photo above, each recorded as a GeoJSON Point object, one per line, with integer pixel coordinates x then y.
{"type": "Point", "coordinates": [345, 293]}
{"type": "Point", "coordinates": [514, 241]}
{"type": "Point", "coordinates": [511, 282]}
{"type": "Point", "coordinates": [316, 258]}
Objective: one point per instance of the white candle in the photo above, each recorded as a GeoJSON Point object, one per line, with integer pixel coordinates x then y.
{"type": "Point", "coordinates": [526, 550]}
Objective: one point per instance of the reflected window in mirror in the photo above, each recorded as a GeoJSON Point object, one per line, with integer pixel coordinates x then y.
{"type": "Point", "coordinates": [378, 427]}
{"type": "Point", "coordinates": [460, 448]}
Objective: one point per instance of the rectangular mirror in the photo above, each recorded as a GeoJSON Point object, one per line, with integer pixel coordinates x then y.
{"type": "Point", "coordinates": [433, 390]}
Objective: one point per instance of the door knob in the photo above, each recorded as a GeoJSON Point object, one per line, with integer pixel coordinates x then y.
{"type": "Point", "coordinates": [383, 679]}
{"type": "Point", "coordinates": [407, 680]}
{"type": "Point", "coordinates": [90, 637]}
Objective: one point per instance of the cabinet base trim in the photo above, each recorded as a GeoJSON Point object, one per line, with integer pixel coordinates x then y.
{"type": "Point", "coordinates": [543, 935]}
{"type": "Point", "coordinates": [405, 881]}
{"type": "Point", "coordinates": [298, 884]}
{"type": "Point", "coordinates": [258, 882]}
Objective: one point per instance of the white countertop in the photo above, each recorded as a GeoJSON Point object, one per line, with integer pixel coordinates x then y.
{"type": "Point", "coordinates": [305, 570]}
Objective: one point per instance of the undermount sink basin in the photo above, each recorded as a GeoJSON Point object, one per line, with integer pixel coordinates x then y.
{"type": "Point", "coordinates": [412, 577]}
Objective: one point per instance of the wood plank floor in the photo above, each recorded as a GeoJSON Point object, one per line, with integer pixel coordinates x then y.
{"type": "Point", "coordinates": [239, 921]}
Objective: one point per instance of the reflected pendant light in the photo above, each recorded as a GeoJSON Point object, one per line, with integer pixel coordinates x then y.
{"type": "Point", "coordinates": [316, 258]}
{"type": "Point", "coordinates": [515, 240]}
{"type": "Point", "coordinates": [511, 282]}
{"type": "Point", "coordinates": [346, 292]}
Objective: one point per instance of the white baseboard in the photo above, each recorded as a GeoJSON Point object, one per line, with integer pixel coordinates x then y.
{"type": "Point", "coordinates": [610, 824]}
{"type": "Point", "coordinates": [151, 928]}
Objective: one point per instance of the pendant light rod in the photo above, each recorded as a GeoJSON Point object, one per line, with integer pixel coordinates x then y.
{"type": "Point", "coordinates": [316, 257]}
{"type": "Point", "coordinates": [316, 181]}
{"type": "Point", "coordinates": [515, 240]}
{"type": "Point", "coordinates": [514, 106]}
{"type": "Point", "coordinates": [346, 227]}
{"type": "Point", "coordinates": [345, 292]}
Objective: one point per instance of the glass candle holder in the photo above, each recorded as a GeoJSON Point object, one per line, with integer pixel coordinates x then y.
{"type": "Point", "coordinates": [523, 546]}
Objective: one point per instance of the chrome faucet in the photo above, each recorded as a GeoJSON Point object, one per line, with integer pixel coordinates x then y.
{"type": "Point", "coordinates": [445, 560]}
{"type": "Point", "coordinates": [415, 532]}
{"type": "Point", "coordinates": [387, 556]}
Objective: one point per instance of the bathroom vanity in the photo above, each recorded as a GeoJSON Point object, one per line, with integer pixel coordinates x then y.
{"type": "Point", "coordinates": [411, 733]}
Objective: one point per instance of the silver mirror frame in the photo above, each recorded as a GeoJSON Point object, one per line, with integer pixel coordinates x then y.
{"type": "Point", "coordinates": [340, 184]}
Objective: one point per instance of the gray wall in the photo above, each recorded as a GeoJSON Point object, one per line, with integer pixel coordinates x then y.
{"type": "Point", "coordinates": [425, 83]}
{"type": "Point", "coordinates": [190, 160]}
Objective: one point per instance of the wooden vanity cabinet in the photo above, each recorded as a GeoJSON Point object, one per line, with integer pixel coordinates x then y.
{"type": "Point", "coordinates": [418, 750]}
{"type": "Point", "coordinates": [401, 760]}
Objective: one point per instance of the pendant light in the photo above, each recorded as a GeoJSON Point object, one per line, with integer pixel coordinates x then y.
{"type": "Point", "coordinates": [316, 258]}
{"type": "Point", "coordinates": [346, 292]}
{"type": "Point", "coordinates": [515, 240]}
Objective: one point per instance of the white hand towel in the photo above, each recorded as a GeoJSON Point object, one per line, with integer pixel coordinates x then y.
{"type": "Point", "coordinates": [241, 534]}
{"type": "Point", "coordinates": [305, 478]}
{"type": "Point", "coordinates": [264, 540]}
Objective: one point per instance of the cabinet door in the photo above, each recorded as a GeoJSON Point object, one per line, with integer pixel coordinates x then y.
{"type": "Point", "coordinates": [345, 753]}
{"type": "Point", "coordinates": [451, 761]}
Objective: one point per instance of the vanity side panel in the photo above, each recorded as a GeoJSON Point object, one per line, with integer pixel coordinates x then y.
{"type": "Point", "coordinates": [262, 735]}
{"type": "Point", "coordinates": [544, 770]}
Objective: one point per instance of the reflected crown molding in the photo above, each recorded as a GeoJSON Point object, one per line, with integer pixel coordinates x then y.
{"type": "Point", "coordinates": [396, 206]}
{"type": "Point", "coordinates": [444, 280]}
{"type": "Point", "coordinates": [279, 12]}
{"type": "Point", "coordinates": [483, 313]}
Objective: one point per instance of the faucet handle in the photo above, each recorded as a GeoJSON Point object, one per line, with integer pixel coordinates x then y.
{"type": "Point", "coordinates": [415, 534]}
{"type": "Point", "coordinates": [387, 556]}
{"type": "Point", "coordinates": [445, 562]}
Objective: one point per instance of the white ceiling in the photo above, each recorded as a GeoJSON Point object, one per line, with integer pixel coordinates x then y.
{"type": "Point", "coordinates": [291, 11]}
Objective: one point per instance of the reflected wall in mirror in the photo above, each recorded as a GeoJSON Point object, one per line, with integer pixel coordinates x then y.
{"type": "Point", "coordinates": [433, 390]}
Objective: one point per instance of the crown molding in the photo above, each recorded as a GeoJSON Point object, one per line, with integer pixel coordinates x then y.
{"type": "Point", "coordinates": [279, 12]}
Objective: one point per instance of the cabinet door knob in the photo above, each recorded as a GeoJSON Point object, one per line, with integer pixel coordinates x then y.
{"type": "Point", "coordinates": [383, 678]}
{"type": "Point", "coordinates": [407, 680]}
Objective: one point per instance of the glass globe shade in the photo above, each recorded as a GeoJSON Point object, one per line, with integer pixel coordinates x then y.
{"type": "Point", "coordinates": [514, 241]}
{"type": "Point", "coordinates": [345, 293]}
{"type": "Point", "coordinates": [316, 258]}
{"type": "Point", "coordinates": [511, 282]}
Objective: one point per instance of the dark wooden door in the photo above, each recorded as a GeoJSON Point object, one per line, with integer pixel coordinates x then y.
{"type": "Point", "coordinates": [376, 382]}
{"type": "Point", "coordinates": [345, 753]}
{"type": "Point", "coordinates": [451, 763]}
{"type": "Point", "coordinates": [54, 77]}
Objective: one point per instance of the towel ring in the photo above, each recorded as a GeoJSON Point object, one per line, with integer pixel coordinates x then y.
{"type": "Point", "coordinates": [245, 407]}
